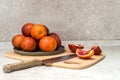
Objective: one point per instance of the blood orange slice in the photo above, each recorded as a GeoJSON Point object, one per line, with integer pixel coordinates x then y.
{"type": "Point", "coordinates": [85, 54]}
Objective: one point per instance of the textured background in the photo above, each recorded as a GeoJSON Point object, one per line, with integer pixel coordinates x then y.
{"type": "Point", "coordinates": [71, 19]}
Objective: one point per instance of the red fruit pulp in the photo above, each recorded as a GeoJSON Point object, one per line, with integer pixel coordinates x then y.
{"type": "Point", "coordinates": [83, 52]}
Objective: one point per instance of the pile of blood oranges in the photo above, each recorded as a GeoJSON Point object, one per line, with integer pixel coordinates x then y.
{"type": "Point", "coordinates": [36, 36]}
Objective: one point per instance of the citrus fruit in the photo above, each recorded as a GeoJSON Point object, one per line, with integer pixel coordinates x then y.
{"type": "Point", "coordinates": [47, 44]}
{"type": "Point", "coordinates": [46, 29]}
{"type": "Point", "coordinates": [26, 29]}
{"type": "Point", "coordinates": [16, 40]}
{"type": "Point", "coordinates": [96, 49]}
{"type": "Point", "coordinates": [57, 38]}
{"type": "Point", "coordinates": [85, 54]}
{"type": "Point", "coordinates": [38, 31]}
{"type": "Point", "coordinates": [28, 44]}
{"type": "Point", "coordinates": [73, 47]}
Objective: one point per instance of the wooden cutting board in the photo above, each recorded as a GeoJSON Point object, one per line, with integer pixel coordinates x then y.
{"type": "Point", "coordinates": [72, 63]}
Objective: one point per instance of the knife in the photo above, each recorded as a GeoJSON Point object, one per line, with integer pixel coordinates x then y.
{"type": "Point", "coordinates": [35, 62]}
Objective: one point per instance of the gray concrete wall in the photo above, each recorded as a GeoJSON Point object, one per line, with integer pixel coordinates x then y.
{"type": "Point", "coordinates": [71, 19]}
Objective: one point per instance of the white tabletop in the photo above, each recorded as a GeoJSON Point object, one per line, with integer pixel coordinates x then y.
{"type": "Point", "coordinates": [107, 69]}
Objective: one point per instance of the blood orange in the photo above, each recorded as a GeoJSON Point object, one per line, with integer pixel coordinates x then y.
{"type": "Point", "coordinates": [28, 44]}
{"type": "Point", "coordinates": [16, 40]}
{"type": "Point", "coordinates": [85, 54]}
{"type": "Point", "coordinates": [47, 44]}
{"type": "Point", "coordinates": [57, 38]}
{"type": "Point", "coordinates": [74, 47]}
{"type": "Point", "coordinates": [38, 31]}
{"type": "Point", "coordinates": [97, 50]}
{"type": "Point", "coordinates": [26, 29]}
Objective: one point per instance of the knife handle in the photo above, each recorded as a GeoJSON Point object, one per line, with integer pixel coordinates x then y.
{"type": "Point", "coordinates": [21, 65]}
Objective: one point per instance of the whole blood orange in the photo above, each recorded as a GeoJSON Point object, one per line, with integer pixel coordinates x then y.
{"type": "Point", "coordinates": [57, 38]}
{"type": "Point", "coordinates": [85, 54]}
{"type": "Point", "coordinates": [47, 44]}
{"type": "Point", "coordinates": [26, 29]}
{"type": "Point", "coordinates": [16, 40]}
{"type": "Point", "coordinates": [46, 29]}
{"type": "Point", "coordinates": [38, 31]}
{"type": "Point", "coordinates": [28, 44]}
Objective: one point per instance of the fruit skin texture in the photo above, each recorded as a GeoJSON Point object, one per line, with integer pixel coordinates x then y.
{"type": "Point", "coordinates": [26, 29]}
{"type": "Point", "coordinates": [38, 31]}
{"type": "Point", "coordinates": [28, 44]}
{"type": "Point", "coordinates": [57, 38]}
{"type": "Point", "coordinates": [74, 47]}
{"type": "Point", "coordinates": [47, 44]}
{"type": "Point", "coordinates": [84, 54]}
{"type": "Point", "coordinates": [97, 50]}
{"type": "Point", "coordinates": [16, 40]}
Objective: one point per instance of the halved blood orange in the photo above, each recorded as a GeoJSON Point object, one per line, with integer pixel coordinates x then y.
{"type": "Point", "coordinates": [74, 47]}
{"type": "Point", "coordinates": [85, 54]}
{"type": "Point", "coordinates": [96, 49]}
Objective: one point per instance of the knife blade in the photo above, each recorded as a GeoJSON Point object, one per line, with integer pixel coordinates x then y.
{"type": "Point", "coordinates": [35, 62]}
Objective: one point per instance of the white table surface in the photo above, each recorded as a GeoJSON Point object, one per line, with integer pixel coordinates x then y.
{"type": "Point", "coordinates": [107, 69]}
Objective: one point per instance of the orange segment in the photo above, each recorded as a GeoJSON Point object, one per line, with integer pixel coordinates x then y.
{"type": "Point", "coordinates": [85, 54]}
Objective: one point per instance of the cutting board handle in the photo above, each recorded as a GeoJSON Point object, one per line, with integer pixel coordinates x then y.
{"type": "Point", "coordinates": [21, 65]}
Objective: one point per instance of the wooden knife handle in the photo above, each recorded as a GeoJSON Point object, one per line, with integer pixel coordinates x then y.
{"type": "Point", "coordinates": [21, 65]}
